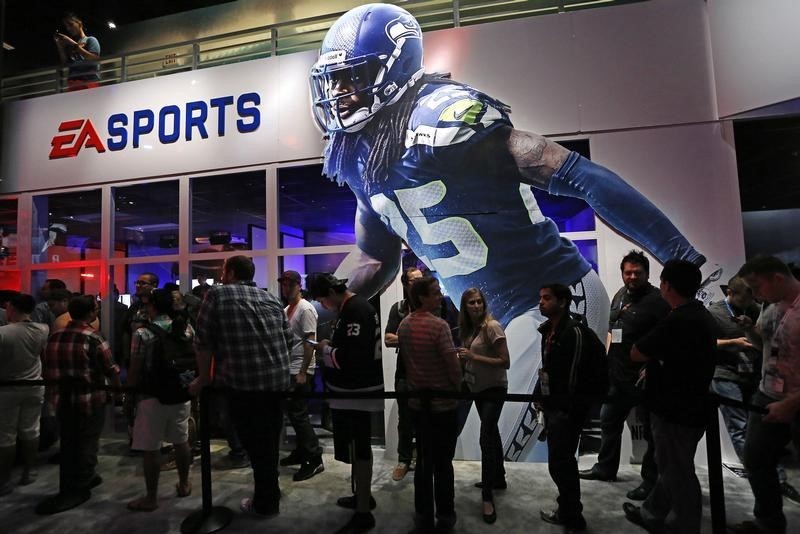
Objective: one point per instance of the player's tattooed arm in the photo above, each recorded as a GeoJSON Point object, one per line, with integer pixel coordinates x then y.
{"type": "Point", "coordinates": [537, 157]}
{"type": "Point", "coordinates": [374, 263]}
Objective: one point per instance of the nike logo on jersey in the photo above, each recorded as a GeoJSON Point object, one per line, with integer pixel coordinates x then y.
{"type": "Point", "coordinates": [465, 110]}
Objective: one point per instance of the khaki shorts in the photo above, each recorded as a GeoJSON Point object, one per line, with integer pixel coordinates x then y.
{"type": "Point", "coordinates": [156, 422]}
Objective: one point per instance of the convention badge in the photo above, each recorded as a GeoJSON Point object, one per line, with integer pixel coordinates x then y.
{"type": "Point", "coordinates": [616, 335]}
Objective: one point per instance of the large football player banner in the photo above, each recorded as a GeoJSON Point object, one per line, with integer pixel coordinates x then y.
{"type": "Point", "coordinates": [438, 165]}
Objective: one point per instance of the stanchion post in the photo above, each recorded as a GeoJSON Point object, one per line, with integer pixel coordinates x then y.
{"type": "Point", "coordinates": [716, 488]}
{"type": "Point", "coordinates": [210, 518]}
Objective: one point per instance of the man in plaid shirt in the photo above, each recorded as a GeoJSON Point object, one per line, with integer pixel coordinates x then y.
{"type": "Point", "coordinates": [245, 330]}
{"type": "Point", "coordinates": [80, 353]}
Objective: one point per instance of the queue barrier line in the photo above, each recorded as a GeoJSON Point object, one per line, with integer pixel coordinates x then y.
{"type": "Point", "coordinates": [212, 518]}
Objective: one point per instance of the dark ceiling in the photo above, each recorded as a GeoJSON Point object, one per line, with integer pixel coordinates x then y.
{"type": "Point", "coordinates": [29, 24]}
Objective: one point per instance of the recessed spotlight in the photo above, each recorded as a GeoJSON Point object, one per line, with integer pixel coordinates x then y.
{"type": "Point", "coordinates": [111, 25]}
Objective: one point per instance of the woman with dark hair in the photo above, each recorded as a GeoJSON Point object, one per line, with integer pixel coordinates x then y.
{"type": "Point", "coordinates": [79, 52]}
{"type": "Point", "coordinates": [485, 357]}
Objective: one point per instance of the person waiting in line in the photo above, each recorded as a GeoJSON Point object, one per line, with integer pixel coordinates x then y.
{"type": "Point", "coordinates": [79, 53]}
{"type": "Point", "coordinates": [21, 344]}
{"type": "Point", "coordinates": [81, 353]}
{"type": "Point", "coordinates": [680, 353]}
{"type": "Point", "coordinates": [244, 332]}
{"type": "Point", "coordinates": [486, 359]}
{"type": "Point", "coordinates": [42, 313]}
{"type": "Point", "coordinates": [569, 382]}
{"type": "Point", "coordinates": [352, 364]}
{"type": "Point", "coordinates": [157, 420]}
{"type": "Point", "coordinates": [773, 282]}
{"type": "Point", "coordinates": [429, 354]}
{"type": "Point", "coordinates": [405, 427]}
{"type": "Point", "coordinates": [635, 310]}
{"type": "Point", "coordinates": [303, 322]}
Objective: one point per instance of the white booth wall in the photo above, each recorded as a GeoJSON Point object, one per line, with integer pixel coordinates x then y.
{"type": "Point", "coordinates": [637, 80]}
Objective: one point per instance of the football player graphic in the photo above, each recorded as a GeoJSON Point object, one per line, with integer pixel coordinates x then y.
{"type": "Point", "coordinates": [438, 165]}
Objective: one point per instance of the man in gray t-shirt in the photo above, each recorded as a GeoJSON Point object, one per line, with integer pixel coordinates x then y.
{"type": "Point", "coordinates": [21, 344]}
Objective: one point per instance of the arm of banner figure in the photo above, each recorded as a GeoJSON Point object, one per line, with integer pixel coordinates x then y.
{"type": "Point", "coordinates": [549, 166]}
{"type": "Point", "coordinates": [374, 263]}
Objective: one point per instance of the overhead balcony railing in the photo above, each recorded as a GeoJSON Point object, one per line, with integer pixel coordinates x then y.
{"type": "Point", "coordinates": [276, 39]}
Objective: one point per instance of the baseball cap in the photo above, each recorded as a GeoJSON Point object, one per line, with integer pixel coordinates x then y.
{"type": "Point", "coordinates": [319, 284]}
{"type": "Point", "coordinates": [293, 276]}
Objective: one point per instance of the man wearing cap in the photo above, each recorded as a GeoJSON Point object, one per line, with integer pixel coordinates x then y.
{"type": "Point", "coordinates": [303, 323]}
{"type": "Point", "coordinates": [352, 364]}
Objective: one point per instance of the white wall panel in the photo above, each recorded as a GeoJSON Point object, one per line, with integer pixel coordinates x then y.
{"type": "Point", "coordinates": [755, 47]}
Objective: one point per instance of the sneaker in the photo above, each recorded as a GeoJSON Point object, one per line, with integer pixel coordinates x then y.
{"type": "Point", "coordinates": [294, 458]}
{"type": "Point", "coordinates": [349, 502]}
{"type": "Point", "coordinates": [232, 462]}
{"type": "Point", "coordinates": [308, 469]}
{"type": "Point", "coordinates": [789, 492]}
{"type": "Point", "coordinates": [360, 522]}
{"type": "Point", "coordinates": [400, 471]}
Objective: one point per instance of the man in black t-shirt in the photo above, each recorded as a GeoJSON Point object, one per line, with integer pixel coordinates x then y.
{"type": "Point", "coordinates": [351, 364]}
{"type": "Point", "coordinates": [679, 353]}
{"type": "Point", "coordinates": [635, 310]}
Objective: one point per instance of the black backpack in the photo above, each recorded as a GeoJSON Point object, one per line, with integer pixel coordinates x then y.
{"type": "Point", "coordinates": [173, 365]}
{"type": "Point", "coordinates": [591, 378]}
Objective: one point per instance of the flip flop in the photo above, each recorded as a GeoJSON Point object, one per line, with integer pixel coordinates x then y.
{"type": "Point", "coordinates": [181, 492]}
{"type": "Point", "coordinates": [141, 505]}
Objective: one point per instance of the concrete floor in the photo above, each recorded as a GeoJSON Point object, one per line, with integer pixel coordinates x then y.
{"type": "Point", "coordinates": [309, 506]}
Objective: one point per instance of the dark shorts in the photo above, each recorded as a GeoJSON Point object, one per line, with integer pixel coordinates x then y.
{"type": "Point", "coordinates": [351, 435]}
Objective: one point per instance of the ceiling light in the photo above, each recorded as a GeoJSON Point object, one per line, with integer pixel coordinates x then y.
{"type": "Point", "coordinates": [111, 25]}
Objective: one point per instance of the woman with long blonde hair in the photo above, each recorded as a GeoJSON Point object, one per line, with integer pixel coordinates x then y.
{"type": "Point", "coordinates": [485, 357]}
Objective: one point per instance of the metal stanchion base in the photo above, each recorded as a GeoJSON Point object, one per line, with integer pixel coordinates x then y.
{"type": "Point", "coordinates": [62, 502]}
{"type": "Point", "coordinates": [201, 523]}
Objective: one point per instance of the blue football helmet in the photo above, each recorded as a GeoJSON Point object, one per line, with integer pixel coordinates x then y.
{"type": "Point", "coordinates": [368, 59]}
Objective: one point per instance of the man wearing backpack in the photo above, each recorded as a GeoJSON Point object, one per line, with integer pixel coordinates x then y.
{"type": "Point", "coordinates": [574, 375]}
{"type": "Point", "coordinates": [158, 355]}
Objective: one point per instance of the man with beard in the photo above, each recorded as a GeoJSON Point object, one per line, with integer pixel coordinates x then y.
{"type": "Point", "coordinates": [635, 310]}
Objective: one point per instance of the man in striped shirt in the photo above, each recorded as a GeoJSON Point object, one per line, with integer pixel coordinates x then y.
{"type": "Point", "coordinates": [427, 349]}
{"type": "Point", "coordinates": [245, 331]}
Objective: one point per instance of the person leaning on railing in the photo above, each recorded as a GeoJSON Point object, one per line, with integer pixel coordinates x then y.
{"type": "Point", "coordinates": [79, 52]}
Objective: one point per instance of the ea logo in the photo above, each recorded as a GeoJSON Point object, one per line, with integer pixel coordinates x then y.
{"type": "Point", "coordinates": [67, 146]}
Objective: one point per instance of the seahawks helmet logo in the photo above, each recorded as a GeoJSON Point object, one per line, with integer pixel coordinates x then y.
{"type": "Point", "coordinates": [403, 28]}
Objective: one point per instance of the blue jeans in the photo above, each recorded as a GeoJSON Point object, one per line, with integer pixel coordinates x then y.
{"type": "Point", "coordinates": [735, 418]}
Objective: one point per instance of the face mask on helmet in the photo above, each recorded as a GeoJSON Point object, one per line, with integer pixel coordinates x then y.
{"type": "Point", "coordinates": [369, 57]}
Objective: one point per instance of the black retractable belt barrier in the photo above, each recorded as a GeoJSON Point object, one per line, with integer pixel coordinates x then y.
{"type": "Point", "coordinates": [210, 518]}
{"type": "Point", "coordinates": [67, 498]}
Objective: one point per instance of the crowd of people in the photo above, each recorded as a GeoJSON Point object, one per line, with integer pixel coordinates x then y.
{"type": "Point", "coordinates": [664, 355]}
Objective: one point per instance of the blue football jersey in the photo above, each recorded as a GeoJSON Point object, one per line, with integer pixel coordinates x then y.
{"type": "Point", "coordinates": [463, 211]}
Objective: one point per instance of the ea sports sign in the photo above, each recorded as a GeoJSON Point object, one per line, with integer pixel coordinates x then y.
{"type": "Point", "coordinates": [167, 125]}
{"type": "Point", "coordinates": [233, 116]}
